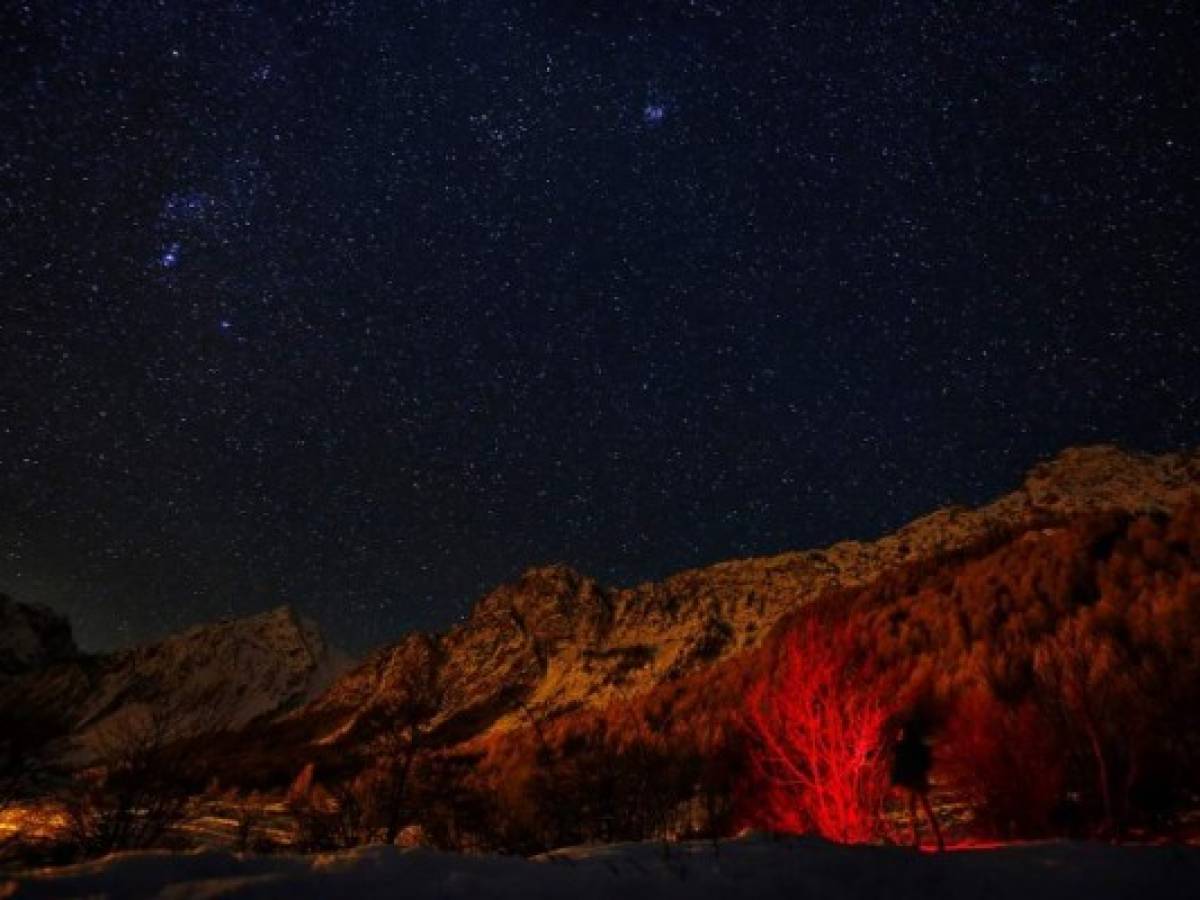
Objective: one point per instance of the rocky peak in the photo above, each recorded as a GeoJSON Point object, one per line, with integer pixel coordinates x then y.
{"type": "Point", "coordinates": [222, 676]}
{"type": "Point", "coordinates": [32, 636]}
{"type": "Point", "coordinates": [248, 667]}
{"type": "Point", "coordinates": [1104, 476]}
{"type": "Point", "coordinates": [545, 603]}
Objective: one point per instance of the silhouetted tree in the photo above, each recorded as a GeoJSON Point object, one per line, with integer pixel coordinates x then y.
{"type": "Point", "coordinates": [1083, 675]}
{"type": "Point", "coordinates": [136, 792]}
{"type": "Point", "coordinates": [1007, 761]}
{"type": "Point", "coordinates": [27, 733]}
{"type": "Point", "coordinates": [403, 725]}
{"type": "Point", "coordinates": [452, 811]}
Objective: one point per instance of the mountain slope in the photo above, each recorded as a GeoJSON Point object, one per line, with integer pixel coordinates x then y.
{"type": "Point", "coordinates": [554, 640]}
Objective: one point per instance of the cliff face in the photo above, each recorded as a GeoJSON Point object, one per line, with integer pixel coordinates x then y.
{"type": "Point", "coordinates": [554, 640]}
{"type": "Point", "coordinates": [32, 637]}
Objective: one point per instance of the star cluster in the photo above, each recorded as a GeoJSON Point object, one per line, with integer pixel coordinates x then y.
{"type": "Point", "coordinates": [366, 307]}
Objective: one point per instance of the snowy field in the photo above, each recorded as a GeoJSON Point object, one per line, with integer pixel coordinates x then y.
{"type": "Point", "coordinates": [754, 867]}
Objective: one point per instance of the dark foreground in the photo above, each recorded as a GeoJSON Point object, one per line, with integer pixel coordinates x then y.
{"type": "Point", "coordinates": [755, 867]}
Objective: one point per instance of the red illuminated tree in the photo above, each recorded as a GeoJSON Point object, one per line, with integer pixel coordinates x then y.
{"type": "Point", "coordinates": [817, 730]}
{"type": "Point", "coordinates": [1005, 759]}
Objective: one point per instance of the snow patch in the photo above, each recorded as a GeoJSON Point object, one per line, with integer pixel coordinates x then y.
{"type": "Point", "coordinates": [758, 867]}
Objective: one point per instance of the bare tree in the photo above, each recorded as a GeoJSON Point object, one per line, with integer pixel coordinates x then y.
{"type": "Point", "coordinates": [1083, 672]}
{"type": "Point", "coordinates": [817, 733]}
{"type": "Point", "coordinates": [26, 736]}
{"type": "Point", "coordinates": [353, 815]}
{"type": "Point", "coordinates": [145, 771]}
{"type": "Point", "coordinates": [345, 814]}
{"type": "Point", "coordinates": [312, 809]}
{"type": "Point", "coordinates": [247, 812]}
{"type": "Point", "coordinates": [405, 721]}
{"type": "Point", "coordinates": [372, 798]}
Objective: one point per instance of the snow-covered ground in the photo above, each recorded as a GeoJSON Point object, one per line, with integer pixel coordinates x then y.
{"type": "Point", "coordinates": [755, 867]}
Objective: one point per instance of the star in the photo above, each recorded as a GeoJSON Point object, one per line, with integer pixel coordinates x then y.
{"type": "Point", "coordinates": [186, 206]}
{"type": "Point", "coordinates": [170, 256]}
{"type": "Point", "coordinates": [688, 264]}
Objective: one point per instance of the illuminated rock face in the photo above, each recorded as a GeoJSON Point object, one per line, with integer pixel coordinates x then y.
{"type": "Point", "coordinates": [554, 640]}
{"type": "Point", "coordinates": [32, 637]}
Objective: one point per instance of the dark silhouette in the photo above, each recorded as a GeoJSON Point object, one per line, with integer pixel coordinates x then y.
{"type": "Point", "coordinates": [911, 761]}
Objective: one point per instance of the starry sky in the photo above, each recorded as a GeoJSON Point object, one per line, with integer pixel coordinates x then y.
{"type": "Point", "coordinates": [368, 306]}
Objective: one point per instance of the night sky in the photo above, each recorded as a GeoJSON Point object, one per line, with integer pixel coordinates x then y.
{"type": "Point", "coordinates": [367, 307]}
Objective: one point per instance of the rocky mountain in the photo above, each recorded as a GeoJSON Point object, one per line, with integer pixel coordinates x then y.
{"type": "Point", "coordinates": [224, 675]}
{"type": "Point", "coordinates": [32, 637]}
{"type": "Point", "coordinates": [549, 642]}
{"type": "Point", "coordinates": [555, 640]}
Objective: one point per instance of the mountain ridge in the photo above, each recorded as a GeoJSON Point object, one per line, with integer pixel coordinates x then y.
{"type": "Point", "coordinates": [553, 639]}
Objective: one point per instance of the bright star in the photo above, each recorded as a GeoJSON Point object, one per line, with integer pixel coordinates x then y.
{"type": "Point", "coordinates": [654, 113]}
{"type": "Point", "coordinates": [170, 256]}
